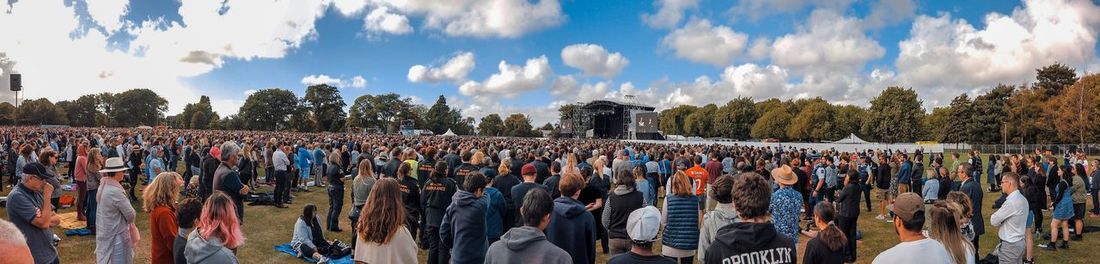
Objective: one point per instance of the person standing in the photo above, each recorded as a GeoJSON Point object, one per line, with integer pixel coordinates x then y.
{"type": "Point", "coordinates": [160, 202]}
{"type": "Point", "coordinates": [1062, 211]}
{"type": "Point", "coordinates": [187, 212]}
{"type": "Point", "coordinates": [754, 239]}
{"type": "Point", "coordinates": [681, 237]}
{"type": "Point", "coordinates": [209, 167]}
{"type": "Point", "coordinates": [847, 204]}
{"type": "Point", "coordinates": [464, 227]}
{"type": "Point", "coordinates": [699, 180]}
{"type": "Point", "coordinates": [914, 246]}
{"type": "Point", "coordinates": [32, 214]}
{"type": "Point", "coordinates": [642, 225]}
{"type": "Point", "coordinates": [1012, 219]}
{"type": "Point", "coordinates": [334, 174]}
{"type": "Point", "coordinates": [217, 233]}
{"type": "Point", "coordinates": [785, 203]}
{"type": "Point", "coordinates": [528, 243]}
{"type": "Point", "coordinates": [572, 228]}
{"type": "Point", "coordinates": [281, 164]}
{"type": "Point", "coordinates": [722, 215]}
{"type": "Point", "coordinates": [437, 195]}
{"type": "Point", "coordinates": [530, 175]}
{"type": "Point", "coordinates": [116, 234]}
{"type": "Point", "coordinates": [228, 180]}
{"type": "Point", "coordinates": [383, 239]}
{"type": "Point", "coordinates": [624, 199]}
{"type": "Point", "coordinates": [360, 190]}
{"type": "Point", "coordinates": [972, 189]}
{"type": "Point", "coordinates": [944, 227]}
{"type": "Point", "coordinates": [830, 245]}
{"type": "Point", "coordinates": [80, 176]}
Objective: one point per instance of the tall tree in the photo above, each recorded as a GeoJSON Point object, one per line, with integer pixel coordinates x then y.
{"type": "Point", "coordinates": [384, 111]}
{"type": "Point", "coordinates": [935, 124]}
{"type": "Point", "coordinates": [566, 111]}
{"type": "Point", "coordinates": [441, 116]}
{"type": "Point", "coordinates": [187, 118]}
{"type": "Point", "coordinates": [701, 122]}
{"type": "Point", "coordinates": [813, 123]}
{"type": "Point", "coordinates": [1076, 112]}
{"type": "Point", "coordinates": [137, 107]}
{"type": "Point", "coordinates": [83, 112]}
{"type": "Point", "coordinates": [735, 119]}
{"type": "Point", "coordinates": [518, 125]}
{"type": "Point", "coordinates": [957, 125]}
{"type": "Point", "coordinates": [106, 105]}
{"type": "Point", "coordinates": [7, 114]}
{"type": "Point", "coordinates": [772, 124]}
{"type": "Point", "coordinates": [268, 109]}
{"type": "Point", "coordinates": [1030, 124]}
{"type": "Point", "coordinates": [895, 116]}
{"type": "Point", "coordinates": [1052, 79]}
{"type": "Point", "coordinates": [766, 106]}
{"type": "Point", "coordinates": [989, 112]}
{"type": "Point", "coordinates": [41, 112]}
{"type": "Point", "coordinates": [327, 106]}
{"type": "Point", "coordinates": [671, 121]}
{"type": "Point", "coordinates": [846, 120]}
{"type": "Point", "coordinates": [491, 125]}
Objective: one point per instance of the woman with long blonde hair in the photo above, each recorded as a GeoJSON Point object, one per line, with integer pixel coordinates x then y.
{"type": "Point", "coordinates": [944, 227]}
{"type": "Point", "coordinates": [160, 202]}
{"type": "Point", "coordinates": [383, 238]}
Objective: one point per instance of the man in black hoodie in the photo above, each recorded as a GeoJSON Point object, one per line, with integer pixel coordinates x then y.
{"type": "Point", "coordinates": [464, 225]}
{"type": "Point", "coordinates": [753, 239]}
{"type": "Point", "coordinates": [573, 228]}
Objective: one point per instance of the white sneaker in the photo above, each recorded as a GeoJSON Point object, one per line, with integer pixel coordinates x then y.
{"type": "Point", "coordinates": [323, 260]}
{"type": "Point", "coordinates": [890, 220]}
{"type": "Point", "coordinates": [880, 217]}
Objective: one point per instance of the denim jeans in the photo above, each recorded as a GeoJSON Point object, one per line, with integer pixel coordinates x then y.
{"type": "Point", "coordinates": [335, 203]}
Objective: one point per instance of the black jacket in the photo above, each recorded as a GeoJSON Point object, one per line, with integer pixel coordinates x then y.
{"type": "Point", "coordinates": [209, 166]}
{"type": "Point", "coordinates": [744, 242]}
{"type": "Point", "coordinates": [436, 196]}
{"type": "Point", "coordinates": [542, 170]}
{"type": "Point", "coordinates": [460, 173]}
{"type": "Point", "coordinates": [848, 201]}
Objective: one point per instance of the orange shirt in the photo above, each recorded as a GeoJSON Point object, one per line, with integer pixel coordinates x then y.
{"type": "Point", "coordinates": [699, 177]}
{"type": "Point", "coordinates": [163, 230]}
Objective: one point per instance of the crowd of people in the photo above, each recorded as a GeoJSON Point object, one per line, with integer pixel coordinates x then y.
{"type": "Point", "coordinates": [512, 200]}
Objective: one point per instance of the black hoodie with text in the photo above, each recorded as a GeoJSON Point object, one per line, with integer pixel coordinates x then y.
{"type": "Point", "coordinates": [745, 242]}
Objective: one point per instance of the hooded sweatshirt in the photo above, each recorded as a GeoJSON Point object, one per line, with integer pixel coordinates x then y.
{"type": "Point", "coordinates": [620, 204]}
{"type": "Point", "coordinates": [463, 229]}
{"type": "Point", "coordinates": [211, 250]}
{"type": "Point", "coordinates": [750, 243]}
{"type": "Point", "coordinates": [573, 229]}
{"type": "Point", "coordinates": [723, 215]}
{"type": "Point", "coordinates": [526, 245]}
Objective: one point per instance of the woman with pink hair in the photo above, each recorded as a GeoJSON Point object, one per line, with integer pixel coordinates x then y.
{"type": "Point", "coordinates": [217, 232]}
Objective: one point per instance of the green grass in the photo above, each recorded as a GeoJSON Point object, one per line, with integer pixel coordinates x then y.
{"type": "Point", "coordinates": [267, 226]}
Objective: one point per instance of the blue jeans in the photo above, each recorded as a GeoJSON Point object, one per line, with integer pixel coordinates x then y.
{"type": "Point", "coordinates": [90, 207]}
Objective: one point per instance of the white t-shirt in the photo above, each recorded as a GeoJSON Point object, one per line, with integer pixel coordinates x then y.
{"type": "Point", "coordinates": [924, 251]}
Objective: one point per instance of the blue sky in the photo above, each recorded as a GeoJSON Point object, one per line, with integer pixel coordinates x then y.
{"type": "Point", "coordinates": [663, 52]}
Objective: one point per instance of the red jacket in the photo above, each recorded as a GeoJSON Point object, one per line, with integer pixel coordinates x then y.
{"type": "Point", "coordinates": [162, 225]}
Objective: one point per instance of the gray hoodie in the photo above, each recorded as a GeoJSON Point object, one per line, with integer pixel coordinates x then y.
{"type": "Point", "coordinates": [722, 215]}
{"type": "Point", "coordinates": [211, 251]}
{"type": "Point", "coordinates": [525, 245]}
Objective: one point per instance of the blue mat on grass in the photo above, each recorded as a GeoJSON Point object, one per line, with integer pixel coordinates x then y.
{"type": "Point", "coordinates": [286, 248]}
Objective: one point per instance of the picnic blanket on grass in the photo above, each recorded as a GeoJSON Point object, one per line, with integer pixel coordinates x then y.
{"type": "Point", "coordinates": [286, 248]}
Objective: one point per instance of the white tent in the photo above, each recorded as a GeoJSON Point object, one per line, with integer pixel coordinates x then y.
{"type": "Point", "coordinates": [144, 127]}
{"type": "Point", "coordinates": [449, 133]}
{"type": "Point", "coordinates": [851, 139]}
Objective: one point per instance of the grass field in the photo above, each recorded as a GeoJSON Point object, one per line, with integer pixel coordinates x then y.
{"type": "Point", "coordinates": [267, 226]}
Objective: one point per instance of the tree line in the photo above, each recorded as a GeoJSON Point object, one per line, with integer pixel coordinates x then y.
{"type": "Point", "coordinates": [321, 109]}
{"type": "Point", "coordinates": [1058, 107]}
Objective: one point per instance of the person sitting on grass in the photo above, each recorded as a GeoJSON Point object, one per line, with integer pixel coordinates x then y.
{"type": "Point", "coordinates": [308, 238]}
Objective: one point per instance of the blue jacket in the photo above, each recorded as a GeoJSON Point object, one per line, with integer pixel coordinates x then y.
{"type": "Point", "coordinates": [304, 158]}
{"type": "Point", "coordinates": [494, 216]}
{"type": "Point", "coordinates": [463, 229]}
{"type": "Point", "coordinates": [682, 229]}
{"type": "Point", "coordinates": [573, 229]}
{"type": "Point", "coordinates": [905, 171]}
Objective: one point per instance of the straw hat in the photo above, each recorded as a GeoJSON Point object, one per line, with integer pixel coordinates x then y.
{"type": "Point", "coordinates": [113, 165]}
{"type": "Point", "coordinates": [784, 175]}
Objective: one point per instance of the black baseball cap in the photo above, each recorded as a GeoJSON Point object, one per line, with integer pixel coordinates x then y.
{"type": "Point", "coordinates": [38, 170]}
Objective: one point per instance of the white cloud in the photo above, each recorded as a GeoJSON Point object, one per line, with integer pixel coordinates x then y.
{"type": "Point", "coordinates": [829, 41]}
{"type": "Point", "coordinates": [354, 82]}
{"type": "Point", "coordinates": [756, 9]}
{"type": "Point", "coordinates": [699, 41]}
{"type": "Point", "coordinates": [887, 12]}
{"type": "Point", "coordinates": [944, 55]}
{"type": "Point", "coordinates": [108, 13]}
{"type": "Point", "coordinates": [594, 60]}
{"type": "Point", "coordinates": [511, 81]}
{"type": "Point", "coordinates": [358, 82]}
{"type": "Point", "coordinates": [381, 20]}
{"type": "Point", "coordinates": [482, 18]}
{"type": "Point", "coordinates": [249, 92]}
{"type": "Point", "coordinates": [454, 70]}
{"type": "Point", "coordinates": [669, 13]}
{"type": "Point", "coordinates": [349, 7]}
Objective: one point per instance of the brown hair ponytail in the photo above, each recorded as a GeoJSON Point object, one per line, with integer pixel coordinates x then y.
{"type": "Point", "coordinates": [832, 236]}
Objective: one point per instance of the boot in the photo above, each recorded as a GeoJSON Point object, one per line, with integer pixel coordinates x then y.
{"type": "Point", "coordinates": [1064, 245]}
{"type": "Point", "coordinates": [1076, 237]}
{"type": "Point", "coordinates": [1048, 246]}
